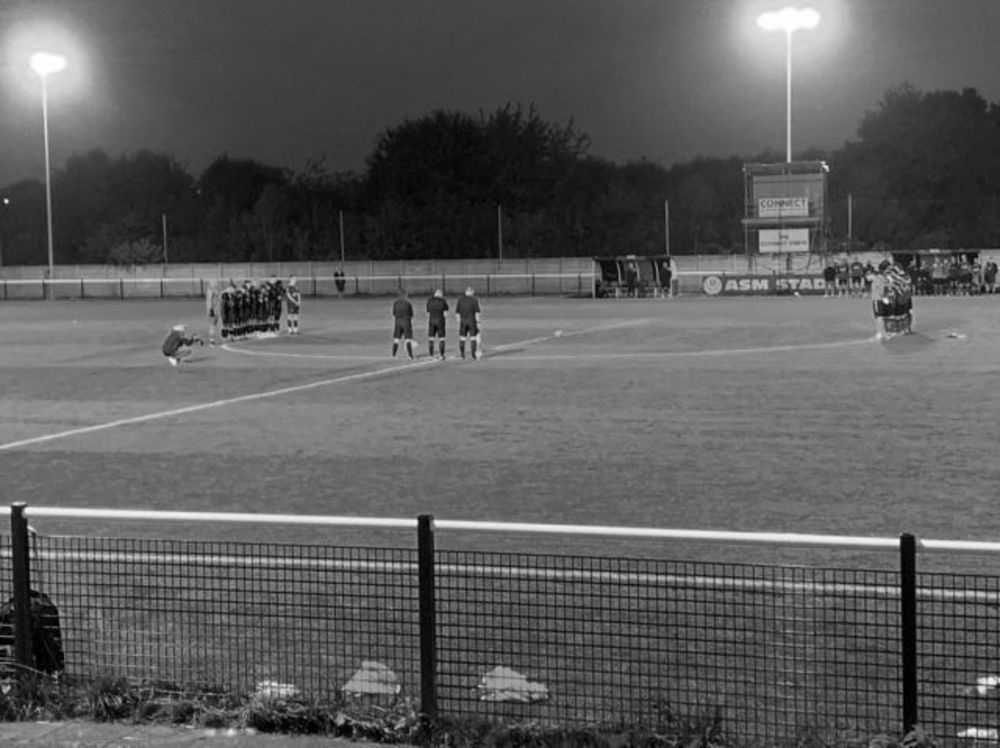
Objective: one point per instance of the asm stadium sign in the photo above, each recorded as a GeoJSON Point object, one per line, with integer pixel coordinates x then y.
{"type": "Point", "coordinates": [761, 285]}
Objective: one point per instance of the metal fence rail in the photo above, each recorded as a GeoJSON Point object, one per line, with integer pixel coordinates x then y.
{"type": "Point", "coordinates": [486, 284]}
{"type": "Point", "coordinates": [776, 651]}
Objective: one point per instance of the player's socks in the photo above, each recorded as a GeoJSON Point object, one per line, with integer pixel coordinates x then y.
{"type": "Point", "coordinates": [474, 348]}
{"type": "Point", "coordinates": [409, 348]}
{"type": "Point", "coordinates": [430, 348]}
{"type": "Point", "coordinates": [461, 349]}
{"type": "Point", "coordinates": [441, 348]}
{"type": "Point", "coordinates": [395, 349]}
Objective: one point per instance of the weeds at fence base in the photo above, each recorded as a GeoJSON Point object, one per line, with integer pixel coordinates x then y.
{"type": "Point", "coordinates": [40, 697]}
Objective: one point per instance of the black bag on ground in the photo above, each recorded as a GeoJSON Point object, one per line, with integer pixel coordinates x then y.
{"type": "Point", "coordinates": [46, 634]}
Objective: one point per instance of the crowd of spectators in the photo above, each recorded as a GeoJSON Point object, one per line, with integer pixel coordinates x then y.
{"type": "Point", "coordinates": [955, 276]}
{"type": "Point", "coordinates": [944, 275]}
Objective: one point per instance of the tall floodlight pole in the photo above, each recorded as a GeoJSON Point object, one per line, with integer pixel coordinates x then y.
{"type": "Point", "coordinates": [45, 64]}
{"type": "Point", "coordinates": [788, 20]}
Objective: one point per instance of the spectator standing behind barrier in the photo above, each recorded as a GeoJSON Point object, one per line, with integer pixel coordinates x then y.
{"type": "Point", "coordinates": [402, 325]}
{"type": "Point", "coordinates": [339, 281]}
{"type": "Point", "coordinates": [857, 277]}
{"type": "Point", "coordinates": [990, 276]}
{"type": "Point", "coordinates": [843, 278]}
{"type": "Point", "coordinates": [869, 273]}
{"type": "Point", "coordinates": [830, 280]}
{"type": "Point", "coordinates": [437, 305]}
{"type": "Point", "coordinates": [667, 277]}
{"type": "Point", "coordinates": [631, 279]}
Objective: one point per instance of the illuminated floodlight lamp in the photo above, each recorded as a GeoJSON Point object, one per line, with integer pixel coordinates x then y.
{"type": "Point", "coordinates": [788, 20]}
{"type": "Point", "coordinates": [46, 63]}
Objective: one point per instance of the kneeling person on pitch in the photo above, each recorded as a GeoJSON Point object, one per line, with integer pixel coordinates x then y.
{"type": "Point", "coordinates": [177, 345]}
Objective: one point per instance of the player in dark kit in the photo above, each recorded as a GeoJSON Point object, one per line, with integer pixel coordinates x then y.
{"type": "Point", "coordinates": [293, 300]}
{"type": "Point", "coordinates": [402, 329]}
{"type": "Point", "coordinates": [177, 344]}
{"type": "Point", "coordinates": [469, 316]}
{"type": "Point", "coordinates": [437, 305]}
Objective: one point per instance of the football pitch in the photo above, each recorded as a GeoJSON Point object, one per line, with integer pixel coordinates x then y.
{"type": "Point", "coordinates": [752, 414]}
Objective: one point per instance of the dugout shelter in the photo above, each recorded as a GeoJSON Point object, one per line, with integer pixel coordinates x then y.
{"type": "Point", "coordinates": [633, 275]}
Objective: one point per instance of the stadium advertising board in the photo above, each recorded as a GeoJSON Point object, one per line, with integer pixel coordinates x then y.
{"type": "Point", "coordinates": [782, 207]}
{"type": "Point", "coordinates": [761, 285]}
{"type": "Point", "coordinates": [784, 240]}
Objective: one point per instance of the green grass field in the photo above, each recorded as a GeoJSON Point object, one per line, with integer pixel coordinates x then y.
{"type": "Point", "coordinates": [770, 414]}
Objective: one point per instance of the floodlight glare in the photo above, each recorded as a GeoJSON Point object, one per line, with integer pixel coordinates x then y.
{"type": "Point", "coordinates": [46, 63]}
{"type": "Point", "coordinates": [788, 20]}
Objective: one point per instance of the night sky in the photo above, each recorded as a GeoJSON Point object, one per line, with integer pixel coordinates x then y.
{"type": "Point", "coordinates": [283, 81]}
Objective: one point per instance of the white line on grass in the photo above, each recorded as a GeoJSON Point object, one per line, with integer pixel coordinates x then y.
{"type": "Point", "coordinates": [285, 354]}
{"type": "Point", "coordinates": [692, 354]}
{"type": "Point", "coordinates": [214, 404]}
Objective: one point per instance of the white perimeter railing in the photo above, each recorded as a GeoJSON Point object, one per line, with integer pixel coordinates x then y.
{"type": "Point", "coordinates": [580, 284]}
{"type": "Point", "coordinates": [804, 540]}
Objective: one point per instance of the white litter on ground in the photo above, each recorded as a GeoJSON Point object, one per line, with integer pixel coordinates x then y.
{"type": "Point", "coordinates": [270, 691]}
{"type": "Point", "coordinates": [985, 685]}
{"type": "Point", "coordinates": [373, 678]}
{"type": "Point", "coordinates": [504, 684]}
{"type": "Point", "coordinates": [978, 733]}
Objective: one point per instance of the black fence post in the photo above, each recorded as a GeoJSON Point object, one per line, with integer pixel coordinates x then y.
{"type": "Point", "coordinates": [21, 569]}
{"type": "Point", "coordinates": [428, 617]}
{"type": "Point", "coordinates": [908, 627]}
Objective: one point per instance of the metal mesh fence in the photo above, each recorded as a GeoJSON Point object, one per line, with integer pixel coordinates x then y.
{"type": "Point", "coordinates": [229, 615]}
{"type": "Point", "coordinates": [959, 654]}
{"type": "Point", "coordinates": [771, 651]}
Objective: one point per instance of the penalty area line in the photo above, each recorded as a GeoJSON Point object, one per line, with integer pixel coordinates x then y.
{"type": "Point", "coordinates": [214, 404]}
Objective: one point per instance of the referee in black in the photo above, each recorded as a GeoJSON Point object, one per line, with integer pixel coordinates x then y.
{"type": "Point", "coordinates": [402, 313]}
{"type": "Point", "coordinates": [437, 305]}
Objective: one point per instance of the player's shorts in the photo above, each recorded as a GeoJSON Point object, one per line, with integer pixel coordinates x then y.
{"type": "Point", "coordinates": [467, 328]}
{"type": "Point", "coordinates": [292, 309]}
{"type": "Point", "coordinates": [435, 328]}
{"type": "Point", "coordinates": [402, 329]}
{"type": "Point", "coordinates": [881, 308]}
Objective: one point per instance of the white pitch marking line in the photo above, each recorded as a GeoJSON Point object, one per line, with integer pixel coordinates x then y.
{"type": "Point", "coordinates": [323, 356]}
{"type": "Point", "coordinates": [691, 354]}
{"type": "Point", "coordinates": [214, 404]}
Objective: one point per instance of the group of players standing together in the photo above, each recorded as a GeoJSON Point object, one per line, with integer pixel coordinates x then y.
{"type": "Point", "coordinates": [254, 308]}
{"type": "Point", "coordinates": [468, 315]}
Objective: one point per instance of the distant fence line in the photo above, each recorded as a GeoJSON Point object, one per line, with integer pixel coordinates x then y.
{"type": "Point", "coordinates": [778, 650]}
{"type": "Point", "coordinates": [535, 284]}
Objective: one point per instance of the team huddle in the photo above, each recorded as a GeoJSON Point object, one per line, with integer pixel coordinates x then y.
{"type": "Point", "coordinates": [892, 301]}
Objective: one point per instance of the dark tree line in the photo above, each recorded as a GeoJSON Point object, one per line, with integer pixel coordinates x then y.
{"type": "Point", "coordinates": [924, 170]}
